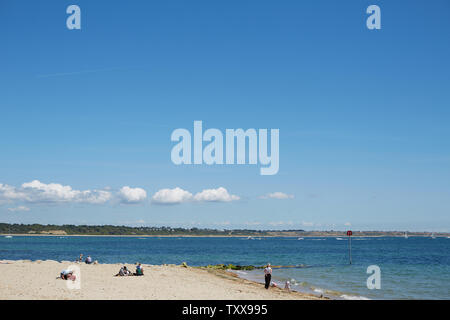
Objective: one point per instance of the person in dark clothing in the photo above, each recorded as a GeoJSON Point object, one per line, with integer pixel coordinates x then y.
{"type": "Point", "coordinates": [267, 276]}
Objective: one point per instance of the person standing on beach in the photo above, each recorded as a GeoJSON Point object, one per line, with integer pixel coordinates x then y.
{"type": "Point", "coordinates": [267, 276]}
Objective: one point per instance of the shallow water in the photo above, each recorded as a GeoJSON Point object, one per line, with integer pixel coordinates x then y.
{"type": "Point", "coordinates": [413, 268]}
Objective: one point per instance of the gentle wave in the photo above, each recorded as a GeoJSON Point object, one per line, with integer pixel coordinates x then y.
{"type": "Point", "coordinates": [317, 290]}
{"type": "Point", "coordinates": [241, 272]}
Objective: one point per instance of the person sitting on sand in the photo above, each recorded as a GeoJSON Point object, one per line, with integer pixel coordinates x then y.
{"type": "Point", "coordinates": [267, 276]}
{"type": "Point", "coordinates": [139, 270]}
{"type": "Point", "coordinates": [88, 260]}
{"type": "Point", "coordinates": [287, 286]}
{"type": "Point", "coordinates": [123, 272]}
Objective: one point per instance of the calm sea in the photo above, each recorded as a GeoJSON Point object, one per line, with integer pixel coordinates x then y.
{"type": "Point", "coordinates": [413, 268]}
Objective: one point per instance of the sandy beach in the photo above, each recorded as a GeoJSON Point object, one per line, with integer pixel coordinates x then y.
{"type": "Point", "coordinates": [25, 279]}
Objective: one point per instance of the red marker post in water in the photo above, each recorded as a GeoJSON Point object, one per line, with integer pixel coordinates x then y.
{"type": "Point", "coordinates": [349, 234]}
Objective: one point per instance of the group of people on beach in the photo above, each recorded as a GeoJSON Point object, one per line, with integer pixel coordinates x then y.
{"type": "Point", "coordinates": [68, 274]}
{"type": "Point", "coordinates": [268, 279]}
{"type": "Point", "coordinates": [88, 260]}
{"type": "Point", "coordinates": [123, 272]}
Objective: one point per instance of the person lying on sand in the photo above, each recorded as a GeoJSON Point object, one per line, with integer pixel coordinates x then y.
{"type": "Point", "coordinates": [67, 275]}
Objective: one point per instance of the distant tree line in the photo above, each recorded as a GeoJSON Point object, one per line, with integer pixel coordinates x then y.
{"type": "Point", "coordinates": [69, 229]}
{"type": "Point", "coordinates": [117, 230]}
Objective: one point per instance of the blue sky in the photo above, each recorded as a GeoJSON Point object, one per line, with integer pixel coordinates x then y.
{"type": "Point", "coordinates": [363, 114]}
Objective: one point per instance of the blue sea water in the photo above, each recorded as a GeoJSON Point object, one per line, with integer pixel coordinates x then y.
{"type": "Point", "coordinates": [413, 268]}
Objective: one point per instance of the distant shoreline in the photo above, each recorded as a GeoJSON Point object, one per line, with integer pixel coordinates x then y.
{"type": "Point", "coordinates": [165, 231]}
{"type": "Point", "coordinates": [441, 235]}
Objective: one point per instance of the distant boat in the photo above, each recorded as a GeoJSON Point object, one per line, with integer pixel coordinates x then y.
{"type": "Point", "coordinates": [339, 239]}
{"type": "Point", "coordinates": [250, 238]}
{"type": "Point", "coordinates": [8, 237]}
{"type": "Point", "coordinates": [406, 235]}
{"type": "Point", "coordinates": [302, 238]}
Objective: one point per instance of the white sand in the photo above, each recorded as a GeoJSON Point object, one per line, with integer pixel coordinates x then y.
{"type": "Point", "coordinates": [37, 280]}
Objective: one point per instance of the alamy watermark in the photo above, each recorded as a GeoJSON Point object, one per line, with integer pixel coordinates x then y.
{"type": "Point", "coordinates": [374, 280]}
{"type": "Point", "coordinates": [73, 22]}
{"type": "Point", "coordinates": [374, 20]}
{"type": "Point", "coordinates": [234, 151]}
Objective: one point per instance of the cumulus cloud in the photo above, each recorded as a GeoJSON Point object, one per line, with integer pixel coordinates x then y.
{"type": "Point", "coordinates": [132, 195]}
{"type": "Point", "coordinates": [178, 195]}
{"type": "Point", "coordinates": [277, 195]}
{"type": "Point", "coordinates": [38, 192]}
{"type": "Point", "coordinates": [215, 195]}
{"type": "Point", "coordinates": [171, 196]}
{"type": "Point", "coordinates": [19, 208]}
{"type": "Point", "coordinates": [10, 193]}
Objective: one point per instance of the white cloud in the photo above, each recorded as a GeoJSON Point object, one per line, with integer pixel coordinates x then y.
{"type": "Point", "coordinates": [38, 192]}
{"type": "Point", "coordinates": [178, 195]}
{"type": "Point", "coordinates": [171, 196]}
{"type": "Point", "coordinates": [132, 195]}
{"type": "Point", "coordinates": [19, 208]}
{"type": "Point", "coordinates": [215, 195]}
{"type": "Point", "coordinates": [348, 224]}
{"type": "Point", "coordinates": [277, 195]}
{"type": "Point", "coordinates": [8, 193]}
{"type": "Point", "coordinates": [307, 224]}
